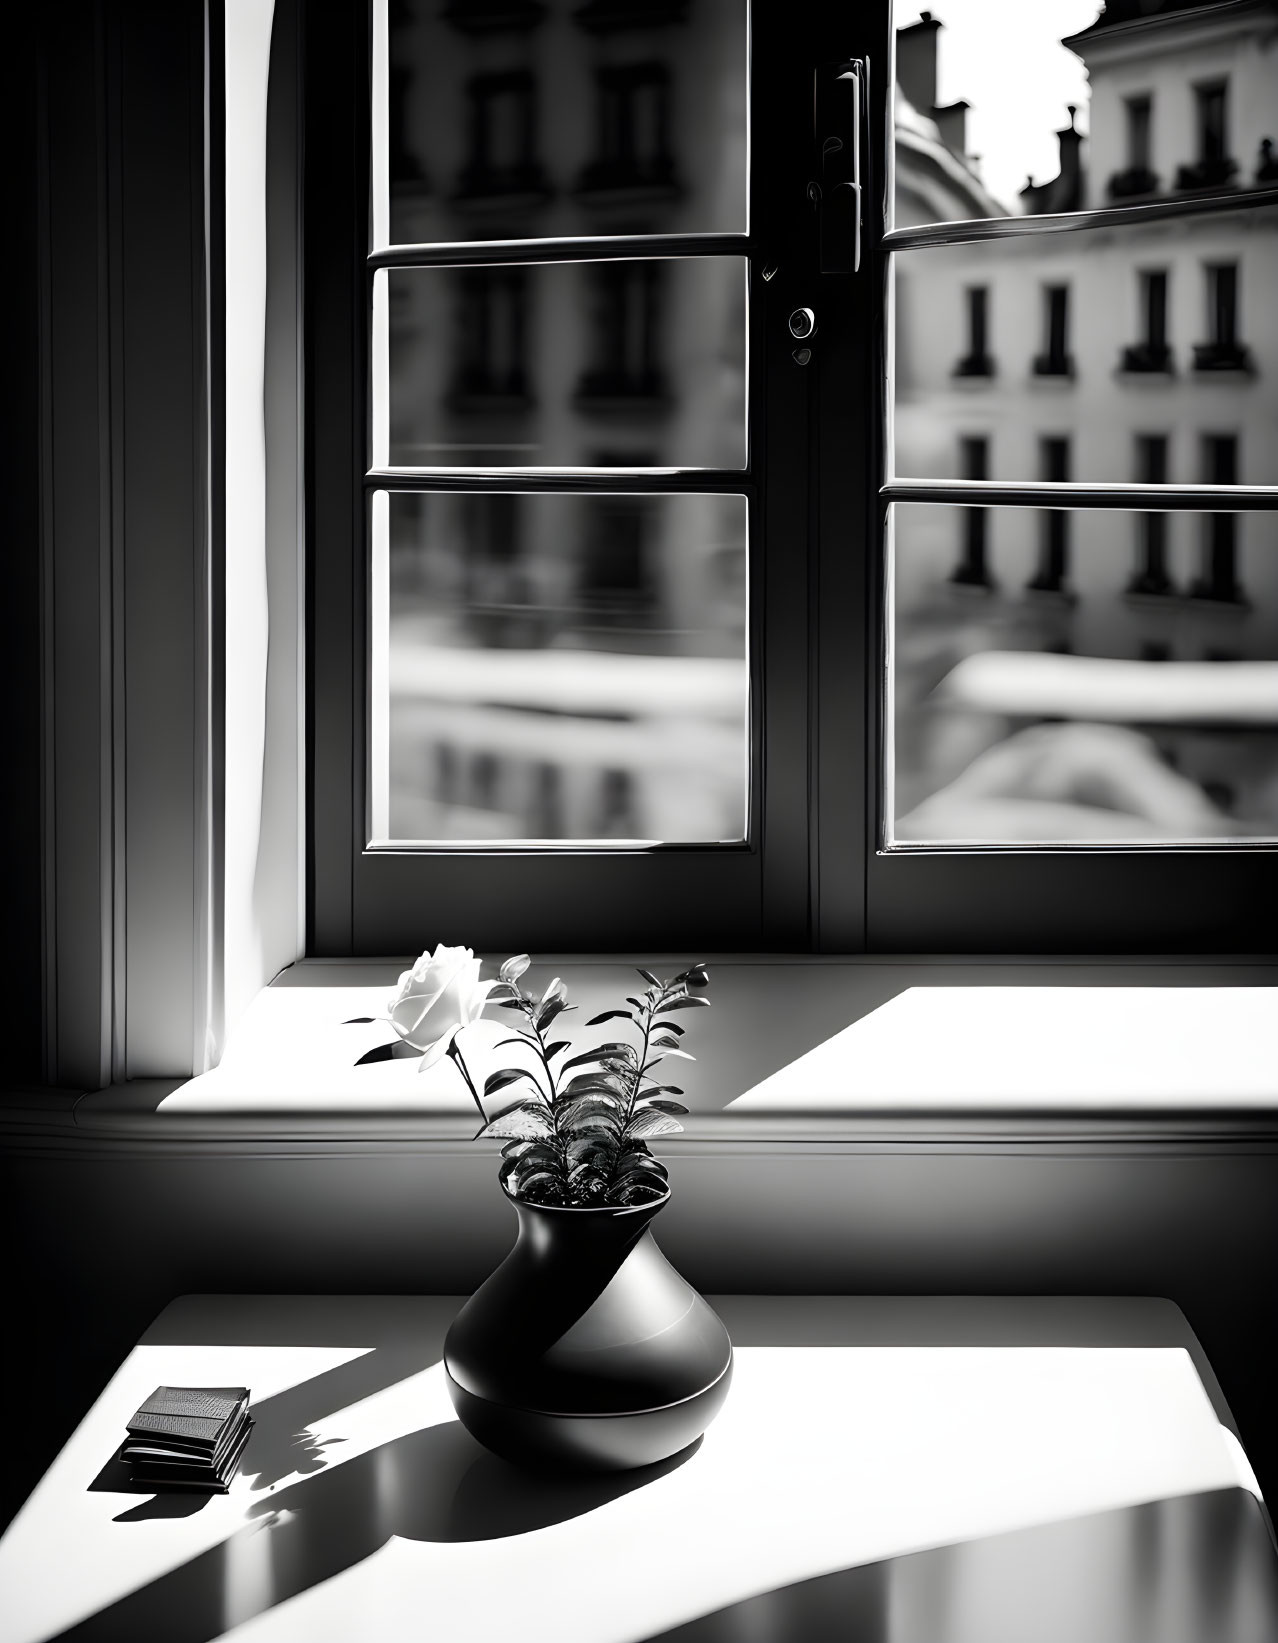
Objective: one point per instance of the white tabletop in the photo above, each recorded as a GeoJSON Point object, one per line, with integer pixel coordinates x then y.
{"type": "Point", "coordinates": [857, 1434]}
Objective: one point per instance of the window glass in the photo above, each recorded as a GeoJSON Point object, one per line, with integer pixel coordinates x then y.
{"type": "Point", "coordinates": [1094, 335]}
{"type": "Point", "coordinates": [1124, 103]}
{"type": "Point", "coordinates": [515, 119]}
{"type": "Point", "coordinates": [1087, 676]}
{"type": "Point", "coordinates": [559, 667]}
{"type": "Point", "coordinates": [630, 364]}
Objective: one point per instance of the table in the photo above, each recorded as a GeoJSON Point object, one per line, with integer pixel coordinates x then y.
{"type": "Point", "coordinates": [914, 1470]}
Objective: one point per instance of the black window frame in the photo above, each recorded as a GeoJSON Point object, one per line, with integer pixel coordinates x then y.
{"type": "Point", "coordinates": [818, 873]}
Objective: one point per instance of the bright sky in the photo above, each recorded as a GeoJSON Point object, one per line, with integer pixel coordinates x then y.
{"type": "Point", "coordinates": [1004, 57]}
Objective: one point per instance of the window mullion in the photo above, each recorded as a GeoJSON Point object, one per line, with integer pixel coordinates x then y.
{"type": "Point", "coordinates": [927, 235]}
{"type": "Point", "coordinates": [578, 248]}
{"type": "Point", "coordinates": [1071, 494]}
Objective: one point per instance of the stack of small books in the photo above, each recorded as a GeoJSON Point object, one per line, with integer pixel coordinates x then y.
{"type": "Point", "coordinates": [188, 1437]}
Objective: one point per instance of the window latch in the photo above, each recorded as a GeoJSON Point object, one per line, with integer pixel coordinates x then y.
{"type": "Point", "coordinates": [840, 106]}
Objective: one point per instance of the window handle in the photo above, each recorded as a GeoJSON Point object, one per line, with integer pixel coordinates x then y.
{"type": "Point", "coordinates": [841, 105]}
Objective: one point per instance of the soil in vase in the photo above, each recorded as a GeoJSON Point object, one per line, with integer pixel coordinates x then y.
{"type": "Point", "coordinates": [585, 1350]}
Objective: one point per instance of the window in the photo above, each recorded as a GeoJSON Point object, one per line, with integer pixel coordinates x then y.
{"type": "Point", "coordinates": [1213, 167]}
{"type": "Point", "coordinates": [1150, 575]}
{"type": "Point", "coordinates": [502, 158]}
{"type": "Point", "coordinates": [663, 636]}
{"type": "Point", "coordinates": [1223, 351]}
{"type": "Point", "coordinates": [632, 131]}
{"type": "Point", "coordinates": [976, 362]}
{"type": "Point", "coordinates": [1053, 542]}
{"type": "Point", "coordinates": [1151, 353]}
{"type": "Point", "coordinates": [1218, 573]}
{"type": "Point", "coordinates": [1055, 359]}
{"type": "Point", "coordinates": [627, 326]}
{"type": "Point", "coordinates": [992, 701]}
{"type": "Point", "coordinates": [1136, 178]}
{"type": "Point", "coordinates": [492, 337]}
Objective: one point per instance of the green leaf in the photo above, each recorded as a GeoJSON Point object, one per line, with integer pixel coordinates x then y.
{"type": "Point", "coordinates": [673, 1049]}
{"type": "Point", "coordinates": [523, 1183]}
{"type": "Point", "coordinates": [525, 1039]}
{"type": "Point", "coordinates": [597, 1083]}
{"type": "Point", "coordinates": [505, 1076]}
{"type": "Point", "coordinates": [608, 1015]}
{"type": "Point", "coordinates": [633, 1190]}
{"type": "Point", "coordinates": [547, 1011]}
{"type": "Point", "coordinates": [649, 977]}
{"type": "Point", "coordinates": [683, 1003]}
{"type": "Point", "coordinates": [671, 1027]}
{"type": "Point", "coordinates": [510, 1003]}
{"type": "Point", "coordinates": [646, 1122]}
{"type": "Point", "coordinates": [597, 1127]}
{"type": "Point", "coordinates": [635, 1155]}
{"type": "Point", "coordinates": [583, 1148]}
{"type": "Point", "coordinates": [554, 1049]}
{"type": "Point", "coordinates": [597, 1055]}
{"type": "Point", "coordinates": [665, 1106]}
{"type": "Point", "coordinates": [514, 967]}
{"type": "Point", "coordinates": [574, 1111]}
{"type": "Point", "coordinates": [540, 1151]}
{"type": "Point", "coordinates": [524, 1122]}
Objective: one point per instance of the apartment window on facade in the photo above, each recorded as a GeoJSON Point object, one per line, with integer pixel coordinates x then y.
{"type": "Point", "coordinates": [1137, 176]}
{"type": "Point", "coordinates": [976, 362]}
{"type": "Point", "coordinates": [501, 610]}
{"type": "Point", "coordinates": [1223, 351]}
{"type": "Point", "coordinates": [617, 587]}
{"type": "Point", "coordinates": [632, 130]}
{"type": "Point", "coordinates": [502, 131]}
{"type": "Point", "coordinates": [491, 368]}
{"type": "Point", "coordinates": [627, 315]}
{"type": "Point", "coordinates": [1151, 352]}
{"type": "Point", "coordinates": [1150, 574]}
{"type": "Point", "coordinates": [1213, 165]}
{"type": "Point", "coordinates": [1218, 571]}
{"type": "Point", "coordinates": [1055, 359]}
{"type": "Point", "coordinates": [1053, 538]}
{"type": "Point", "coordinates": [972, 570]}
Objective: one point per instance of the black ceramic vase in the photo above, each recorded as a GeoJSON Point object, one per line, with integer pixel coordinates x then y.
{"type": "Point", "coordinates": [585, 1350]}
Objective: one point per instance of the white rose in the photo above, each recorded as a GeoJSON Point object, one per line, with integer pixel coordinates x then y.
{"type": "Point", "coordinates": [440, 995]}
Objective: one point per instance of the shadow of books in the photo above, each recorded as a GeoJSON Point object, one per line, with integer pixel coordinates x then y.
{"type": "Point", "coordinates": [433, 1485]}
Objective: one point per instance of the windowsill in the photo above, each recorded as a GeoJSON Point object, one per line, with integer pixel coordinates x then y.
{"type": "Point", "coordinates": [797, 1050]}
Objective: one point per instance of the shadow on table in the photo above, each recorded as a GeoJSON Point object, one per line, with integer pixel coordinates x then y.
{"type": "Point", "coordinates": [433, 1485]}
{"type": "Point", "coordinates": [1193, 1569]}
{"type": "Point", "coordinates": [282, 1443]}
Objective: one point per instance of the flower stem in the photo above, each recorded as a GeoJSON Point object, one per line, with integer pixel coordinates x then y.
{"type": "Point", "coordinates": [460, 1064]}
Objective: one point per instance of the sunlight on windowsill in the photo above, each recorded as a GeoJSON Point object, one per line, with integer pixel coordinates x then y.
{"type": "Point", "coordinates": [814, 1045]}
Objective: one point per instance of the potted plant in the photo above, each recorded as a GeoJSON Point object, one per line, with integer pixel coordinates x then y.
{"type": "Point", "coordinates": [585, 1349]}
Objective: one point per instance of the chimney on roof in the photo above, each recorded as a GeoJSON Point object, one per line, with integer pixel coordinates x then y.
{"type": "Point", "coordinates": [916, 62]}
{"type": "Point", "coordinates": [951, 122]}
{"type": "Point", "coordinates": [1065, 190]}
{"type": "Point", "coordinates": [1070, 197]}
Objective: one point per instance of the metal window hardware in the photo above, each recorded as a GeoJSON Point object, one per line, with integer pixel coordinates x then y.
{"type": "Point", "coordinates": [841, 110]}
{"type": "Point", "coordinates": [802, 324]}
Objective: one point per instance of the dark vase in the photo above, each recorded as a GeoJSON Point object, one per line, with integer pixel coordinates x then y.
{"type": "Point", "coordinates": [585, 1350]}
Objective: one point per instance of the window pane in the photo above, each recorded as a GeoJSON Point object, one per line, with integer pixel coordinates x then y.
{"type": "Point", "coordinates": [516, 119]}
{"type": "Point", "coordinates": [1096, 675]}
{"type": "Point", "coordinates": [1148, 99]}
{"type": "Point", "coordinates": [1100, 337]}
{"type": "Point", "coordinates": [605, 364]}
{"type": "Point", "coordinates": [559, 667]}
